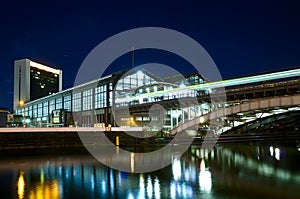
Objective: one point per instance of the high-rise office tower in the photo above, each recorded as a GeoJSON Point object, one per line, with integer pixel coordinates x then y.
{"type": "Point", "coordinates": [34, 80]}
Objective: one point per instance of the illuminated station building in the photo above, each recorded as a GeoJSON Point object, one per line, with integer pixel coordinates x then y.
{"type": "Point", "coordinates": [90, 103]}
{"type": "Point", "coordinates": [130, 95]}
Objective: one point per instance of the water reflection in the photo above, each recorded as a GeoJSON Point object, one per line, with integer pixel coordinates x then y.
{"type": "Point", "coordinates": [205, 182]}
{"type": "Point", "coordinates": [21, 185]}
{"type": "Point", "coordinates": [266, 166]}
{"type": "Point", "coordinates": [45, 190]}
{"type": "Point", "coordinates": [86, 178]}
{"type": "Point", "coordinates": [269, 170]}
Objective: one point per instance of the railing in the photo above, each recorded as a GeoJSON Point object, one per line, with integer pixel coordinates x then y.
{"type": "Point", "coordinates": [256, 104]}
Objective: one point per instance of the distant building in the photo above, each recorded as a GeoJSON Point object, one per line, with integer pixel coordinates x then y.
{"type": "Point", "coordinates": [3, 117]}
{"type": "Point", "coordinates": [34, 80]}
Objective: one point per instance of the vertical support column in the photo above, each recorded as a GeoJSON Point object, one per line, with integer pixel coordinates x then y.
{"type": "Point", "coordinates": [93, 115]}
{"type": "Point", "coordinates": [177, 117]}
{"type": "Point", "coordinates": [182, 112]}
{"type": "Point", "coordinates": [171, 111]}
{"type": "Point", "coordinates": [80, 111]}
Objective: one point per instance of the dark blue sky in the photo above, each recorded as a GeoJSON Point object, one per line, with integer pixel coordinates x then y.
{"type": "Point", "coordinates": [242, 38]}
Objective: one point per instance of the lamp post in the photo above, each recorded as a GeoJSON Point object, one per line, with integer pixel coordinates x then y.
{"type": "Point", "coordinates": [21, 104]}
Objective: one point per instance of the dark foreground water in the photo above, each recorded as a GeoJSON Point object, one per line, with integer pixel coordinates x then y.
{"type": "Point", "coordinates": [239, 170]}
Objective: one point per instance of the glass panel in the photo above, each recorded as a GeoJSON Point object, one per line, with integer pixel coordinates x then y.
{"type": "Point", "coordinates": [100, 96]}
{"type": "Point", "coordinates": [51, 106]}
{"type": "Point", "coordinates": [45, 109]}
{"type": "Point", "coordinates": [34, 111]}
{"type": "Point", "coordinates": [67, 103]}
{"type": "Point", "coordinates": [59, 103]}
{"type": "Point", "coordinates": [76, 102]}
{"type": "Point", "coordinates": [87, 99]}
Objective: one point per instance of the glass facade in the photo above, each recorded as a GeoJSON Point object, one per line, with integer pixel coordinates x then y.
{"type": "Point", "coordinates": [40, 110]}
{"type": "Point", "coordinates": [87, 99]}
{"type": "Point", "coordinates": [76, 102]}
{"type": "Point", "coordinates": [26, 111]}
{"type": "Point", "coordinates": [67, 102]}
{"type": "Point", "coordinates": [34, 111]}
{"type": "Point", "coordinates": [51, 106]}
{"type": "Point", "coordinates": [30, 111]}
{"type": "Point", "coordinates": [100, 96]}
{"type": "Point", "coordinates": [135, 80]}
{"type": "Point", "coordinates": [110, 94]}
{"type": "Point", "coordinates": [45, 109]}
{"type": "Point", "coordinates": [194, 79]}
{"type": "Point", "coordinates": [42, 83]}
{"type": "Point", "coordinates": [130, 86]}
{"type": "Point", "coordinates": [132, 89]}
{"type": "Point", "coordinates": [58, 103]}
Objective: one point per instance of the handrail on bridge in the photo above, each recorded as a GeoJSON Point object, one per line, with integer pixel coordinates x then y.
{"type": "Point", "coordinates": [251, 105]}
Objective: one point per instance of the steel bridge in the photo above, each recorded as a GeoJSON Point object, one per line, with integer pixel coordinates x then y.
{"type": "Point", "coordinates": [241, 101]}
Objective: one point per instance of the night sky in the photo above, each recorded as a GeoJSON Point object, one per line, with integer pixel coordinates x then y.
{"type": "Point", "coordinates": [242, 38]}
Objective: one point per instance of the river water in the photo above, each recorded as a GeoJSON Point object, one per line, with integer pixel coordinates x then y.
{"type": "Point", "coordinates": [236, 170]}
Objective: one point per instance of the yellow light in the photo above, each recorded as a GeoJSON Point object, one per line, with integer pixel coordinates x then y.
{"type": "Point", "coordinates": [132, 162]}
{"type": "Point", "coordinates": [46, 190]}
{"type": "Point", "coordinates": [117, 140]}
{"type": "Point", "coordinates": [131, 119]}
{"type": "Point", "coordinates": [55, 190]}
{"type": "Point", "coordinates": [21, 102]}
{"type": "Point", "coordinates": [43, 67]}
{"type": "Point", "coordinates": [42, 178]}
{"type": "Point", "coordinates": [202, 119]}
{"type": "Point", "coordinates": [21, 185]}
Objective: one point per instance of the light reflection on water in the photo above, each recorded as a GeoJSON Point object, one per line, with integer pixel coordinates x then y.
{"type": "Point", "coordinates": [46, 190]}
{"type": "Point", "coordinates": [21, 185]}
{"type": "Point", "coordinates": [229, 171]}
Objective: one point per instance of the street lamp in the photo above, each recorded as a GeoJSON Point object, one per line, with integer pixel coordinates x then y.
{"type": "Point", "coordinates": [21, 103]}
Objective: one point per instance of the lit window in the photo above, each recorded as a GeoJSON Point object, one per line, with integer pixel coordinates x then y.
{"type": "Point", "coordinates": [87, 99]}
{"type": "Point", "coordinates": [76, 102]}
{"type": "Point", "coordinates": [67, 102]}
{"type": "Point", "coordinates": [100, 96]}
